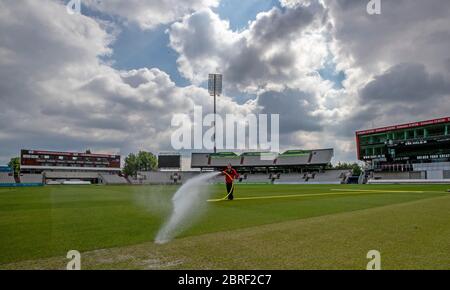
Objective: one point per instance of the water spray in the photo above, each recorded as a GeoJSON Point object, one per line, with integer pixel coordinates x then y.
{"type": "Point", "coordinates": [187, 202]}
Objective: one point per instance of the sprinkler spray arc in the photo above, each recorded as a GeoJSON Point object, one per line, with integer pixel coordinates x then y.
{"type": "Point", "coordinates": [187, 202]}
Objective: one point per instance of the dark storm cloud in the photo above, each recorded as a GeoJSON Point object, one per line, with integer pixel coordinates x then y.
{"type": "Point", "coordinates": [406, 82]}
{"type": "Point", "coordinates": [406, 31]}
{"type": "Point", "coordinates": [364, 118]}
{"type": "Point", "coordinates": [447, 64]}
{"type": "Point", "coordinates": [295, 109]}
{"type": "Point", "coordinates": [406, 92]}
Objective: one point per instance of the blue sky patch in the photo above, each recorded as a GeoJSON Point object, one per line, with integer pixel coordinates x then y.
{"type": "Point", "coordinates": [240, 12]}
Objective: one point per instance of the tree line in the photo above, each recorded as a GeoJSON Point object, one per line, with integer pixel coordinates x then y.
{"type": "Point", "coordinates": [142, 161]}
{"type": "Point", "coordinates": [354, 167]}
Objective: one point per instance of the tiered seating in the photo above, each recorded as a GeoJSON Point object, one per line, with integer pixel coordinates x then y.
{"type": "Point", "coordinates": [6, 178]}
{"type": "Point", "coordinates": [255, 178]}
{"type": "Point", "coordinates": [223, 159]}
{"type": "Point", "coordinates": [158, 177]}
{"type": "Point", "coordinates": [187, 175]}
{"type": "Point", "coordinates": [70, 175]}
{"type": "Point", "coordinates": [439, 166]}
{"type": "Point", "coordinates": [31, 178]}
{"type": "Point", "coordinates": [199, 160]}
{"type": "Point", "coordinates": [293, 158]}
{"type": "Point", "coordinates": [331, 177]}
{"type": "Point", "coordinates": [113, 179]}
{"type": "Point", "coordinates": [256, 159]}
{"type": "Point", "coordinates": [321, 156]}
{"type": "Point", "coordinates": [392, 175]}
{"type": "Point", "coordinates": [291, 178]}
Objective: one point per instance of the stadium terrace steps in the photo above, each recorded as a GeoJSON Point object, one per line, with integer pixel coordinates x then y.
{"type": "Point", "coordinates": [290, 158]}
{"type": "Point", "coordinates": [409, 181]}
{"type": "Point", "coordinates": [223, 159]}
{"type": "Point", "coordinates": [326, 177]}
{"type": "Point", "coordinates": [256, 161]}
{"type": "Point", "coordinates": [7, 178]}
{"type": "Point", "coordinates": [166, 177]}
{"type": "Point", "coordinates": [413, 177]}
{"type": "Point", "coordinates": [113, 179]}
{"type": "Point", "coordinates": [332, 176]}
{"type": "Point", "coordinates": [199, 160]}
{"type": "Point", "coordinates": [296, 178]}
{"type": "Point", "coordinates": [255, 178]}
{"type": "Point", "coordinates": [293, 160]}
{"type": "Point", "coordinates": [391, 175]}
{"type": "Point", "coordinates": [70, 175]}
{"type": "Point", "coordinates": [162, 177]}
{"type": "Point", "coordinates": [31, 178]}
{"type": "Point", "coordinates": [321, 156]}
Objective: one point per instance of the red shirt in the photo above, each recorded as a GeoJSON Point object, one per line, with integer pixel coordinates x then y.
{"type": "Point", "coordinates": [230, 176]}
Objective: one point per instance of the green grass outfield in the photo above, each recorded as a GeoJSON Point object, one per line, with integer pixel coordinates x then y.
{"type": "Point", "coordinates": [267, 227]}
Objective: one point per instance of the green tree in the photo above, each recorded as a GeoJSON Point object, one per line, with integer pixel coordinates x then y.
{"type": "Point", "coordinates": [143, 161]}
{"type": "Point", "coordinates": [14, 164]}
{"type": "Point", "coordinates": [146, 161]}
{"type": "Point", "coordinates": [354, 167]}
{"type": "Point", "coordinates": [130, 168]}
{"type": "Point", "coordinates": [356, 170]}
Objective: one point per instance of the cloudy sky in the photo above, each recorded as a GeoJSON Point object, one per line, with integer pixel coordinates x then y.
{"type": "Point", "coordinates": [111, 78]}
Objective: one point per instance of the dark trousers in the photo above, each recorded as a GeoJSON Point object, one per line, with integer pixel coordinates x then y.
{"type": "Point", "coordinates": [230, 191]}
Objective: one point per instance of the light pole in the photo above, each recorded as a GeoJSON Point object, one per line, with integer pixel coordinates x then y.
{"type": "Point", "coordinates": [215, 89]}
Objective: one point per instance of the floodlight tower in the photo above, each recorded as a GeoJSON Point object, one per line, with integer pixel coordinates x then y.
{"type": "Point", "coordinates": [215, 89]}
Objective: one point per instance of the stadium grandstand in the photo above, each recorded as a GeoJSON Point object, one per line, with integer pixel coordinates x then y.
{"type": "Point", "coordinates": [289, 161]}
{"type": "Point", "coordinates": [292, 166]}
{"type": "Point", "coordinates": [6, 176]}
{"type": "Point", "coordinates": [415, 152]}
{"type": "Point", "coordinates": [313, 177]}
{"type": "Point", "coordinates": [53, 167]}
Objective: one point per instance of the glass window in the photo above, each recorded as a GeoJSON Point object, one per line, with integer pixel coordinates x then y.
{"type": "Point", "coordinates": [436, 130]}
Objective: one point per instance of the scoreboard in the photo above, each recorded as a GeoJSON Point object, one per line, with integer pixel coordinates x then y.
{"type": "Point", "coordinates": [169, 161]}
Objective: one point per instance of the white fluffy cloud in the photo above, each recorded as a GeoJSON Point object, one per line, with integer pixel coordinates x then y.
{"type": "Point", "coordinates": [57, 93]}
{"type": "Point", "coordinates": [278, 58]}
{"type": "Point", "coordinates": [150, 13]}
{"type": "Point", "coordinates": [280, 46]}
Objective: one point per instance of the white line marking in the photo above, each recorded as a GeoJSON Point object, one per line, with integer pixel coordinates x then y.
{"type": "Point", "coordinates": [289, 196]}
{"type": "Point", "coordinates": [381, 191]}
